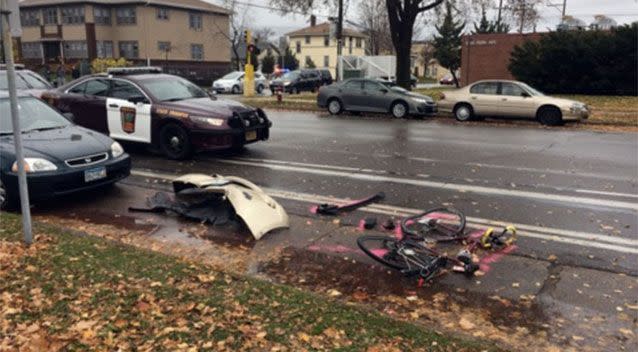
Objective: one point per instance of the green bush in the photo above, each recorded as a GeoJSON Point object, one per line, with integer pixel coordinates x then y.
{"type": "Point", "coordinates": [580, 62]}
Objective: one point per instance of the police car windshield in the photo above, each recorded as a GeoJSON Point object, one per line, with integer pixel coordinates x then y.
{"type": "Point", "coordinates": [173, 89]}
{"type": "Point", "coordinates": [35, 115]}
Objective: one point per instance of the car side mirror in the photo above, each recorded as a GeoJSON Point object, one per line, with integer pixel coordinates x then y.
{"type": "Point", "coordinates": [525, 95]}
{"type": "Point", "coordinates": [383, 90]}
{"type": "Point", "coordinates": [69, 116]}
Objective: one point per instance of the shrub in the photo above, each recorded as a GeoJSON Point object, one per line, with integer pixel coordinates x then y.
{"type": "Point", "coordinates": [101, 65]}
{"type": "Point", "coordinates": [580, 62]}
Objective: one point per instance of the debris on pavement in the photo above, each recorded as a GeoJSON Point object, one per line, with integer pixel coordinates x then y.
{"type": "Point", "coordinates": [218, 200]}
{"type": "Point", "coordinates": [334, 209]}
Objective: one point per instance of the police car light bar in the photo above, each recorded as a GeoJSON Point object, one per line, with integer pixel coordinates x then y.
{"type": "Point", "coordinates": [133, 70]}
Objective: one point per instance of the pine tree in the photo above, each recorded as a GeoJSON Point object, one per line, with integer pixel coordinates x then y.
{"type": "Point", "coordinates": [310, 63]}
{"type": "Point", "coordinates": [268, 62]}
{"type": "Point", "coordinates": [290, 61]}
{"type": "Point", "coordinates": [484, 26]}
{"type": "Point", "coordinates": [447, 43]}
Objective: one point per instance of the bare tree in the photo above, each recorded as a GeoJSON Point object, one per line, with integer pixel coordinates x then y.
{"type": "Point", "coordinates": [235, 34]}
{"type": "Point", "coordinates": [373, 15]}
{"type": "Point", "coordinates": [525, 13]}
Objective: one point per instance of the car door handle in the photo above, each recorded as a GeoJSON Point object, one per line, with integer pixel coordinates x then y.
{"type": "Point", "coordinates": [504, 99]}
{"type": "Point", "coordinates": [473, 98]}
{"type": "Point", "coordinates": [113, 106]}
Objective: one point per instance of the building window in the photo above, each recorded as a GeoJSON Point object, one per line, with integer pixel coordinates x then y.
{"type": "Point", "coordinates": [359, 42]}
{"type": "Point", "coordinates": [29, 18]}
{"type": "Point", "coordinates": [162, 13]}
{"type": "Point", "coordinates": [104, 48]}
{"type": "Point", "coordinates": [350, 46]}
{"type": "Point", "coordinates": [73, 15]}
{"type": "Point", "coordinates": [125, 15]}
{"type": "Point", "coordinates": [326, 40]}
{"type": "Point", "coordinates": [31, 50]}
{"type": "Point", "coordinates": [195, 21]}
{"type": "Point", "coordinates": [164, 46]}
{"type": "Point", "coordinates": [307, 39]}
{"type": "Point", "coordinates": [298, 46]}
{"type": "Point", "coordinates": [326, 61]}
{"type": "Point", "coordinates": [129, 49]}
{"type": "Point", "coordinates": [50, 15]}
{"type": "Point", "coordinates": [76, 49]}
{"type": "Point", "coordinates": [102, 15]}
{"type": "Point", "coordinates": [197, 52]}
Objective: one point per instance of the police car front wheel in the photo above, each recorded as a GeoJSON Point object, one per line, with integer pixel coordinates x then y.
{"type": "Point", "coordinates": [175, 142]}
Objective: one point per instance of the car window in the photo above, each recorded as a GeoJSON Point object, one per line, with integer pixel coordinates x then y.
{"type": "Point", "coordinates": [485, 88]}
{"type": "Point", "coordinates": [173, 89]}
{"type": "Point", "coordinates": [34, 115]}
{"type": "Point", "coordinates": [372, 86]}
{"type": "Point", "coordinates": [124, 90]}
{"type": "Point", "coordinates": [35, 81]}
{"type": "Point", "coordinates": [97, 87]}
{"type": "Point", "coordinates": [4, 85]}
{"type": "Point", "coordinates": [353, 85]}
{"type": "Point", "coordinates": [78, 89]}
{"type": "Point", "coordinates": [511, 89]}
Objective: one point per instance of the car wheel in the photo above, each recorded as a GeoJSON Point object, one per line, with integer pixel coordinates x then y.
{"type": "Point", "coordinates": [235, 90]}
{"type": "Point", "coordinates": [399, 109]}
{"type": "Point", "coordinates": [4, 197]}
{"type": "Point", "coordinates": [334, 106]}
{"type": "Point", "coordinates": [175, 142]}
{"type": "Point", "coordinates": [260, 89]}
{"type": "Point", "coordinates": [550, 116]}
{"type": "Point", "coordinates": [463, 112]}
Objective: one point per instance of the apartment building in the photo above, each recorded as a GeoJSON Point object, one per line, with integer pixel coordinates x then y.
{"type": "Point", "coordinates": [315, 43]}
{"type": "Point", "coordinates": [186, 37]}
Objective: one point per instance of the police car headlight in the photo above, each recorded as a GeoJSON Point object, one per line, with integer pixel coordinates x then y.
{"type": "Point", "coordinates": [35, 165]}
{"type": "Point", "coordinates": [116, 149]}
{"type": "Point", "coordinates": [207, 120]}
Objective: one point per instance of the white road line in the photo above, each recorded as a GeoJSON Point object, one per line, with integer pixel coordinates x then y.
{"type": "Point", "coordinates": [441, 185]}
{"type": "Point", "coordinates": [591, 240]}
{"type": "Point", "coordinates": [613, 194]}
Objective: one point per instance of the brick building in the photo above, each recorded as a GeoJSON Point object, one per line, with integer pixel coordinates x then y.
{"type": "Point", "coordinates": [486, 56]}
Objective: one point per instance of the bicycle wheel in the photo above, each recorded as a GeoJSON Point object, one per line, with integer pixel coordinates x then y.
{"type": "Point", "coordinates": [437, 225]}
{"type": "Point", "coordinates": [404, 256]}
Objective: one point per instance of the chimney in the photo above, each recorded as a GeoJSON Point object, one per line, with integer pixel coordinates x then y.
{"type": "Point", "coordinates": [313, 20]}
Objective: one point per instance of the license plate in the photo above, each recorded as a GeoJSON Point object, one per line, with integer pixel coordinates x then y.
{"type": "Point", "coordinates": [94, 174]}
{"type": "Point", "coordinates": [251, 135]}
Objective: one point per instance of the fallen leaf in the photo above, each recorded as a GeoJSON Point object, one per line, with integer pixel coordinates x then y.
{"type": "Point", "coordinates": [334, 293]}
{"type": "Point", "coordinates": [466, 324]}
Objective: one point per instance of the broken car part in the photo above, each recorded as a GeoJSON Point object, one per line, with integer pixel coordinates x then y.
{"type": "Point", "coordinates": [259, 211]}
{"type": "Point", "coordinates": [333, 209]}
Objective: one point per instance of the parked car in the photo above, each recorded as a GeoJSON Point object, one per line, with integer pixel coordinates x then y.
{"type": "Point", "coordinates": [143, 105]}
{"type": "Point", "coordinates": [447, 80]}
{"type": "Point", "coordinates": [326, 76]}
{"type": "Point", "coordinates": [297, 81]}
{"type": "Point", "coordinates": [510, 99]}
{"type": "Point", "coordinates": [234, 83]}
{"type": "Point", "coordinates": [60, 157]}
{"type": "Point", "coordinates": [369, 95]}
{"type": "Point", "coordinates": [26, 81]}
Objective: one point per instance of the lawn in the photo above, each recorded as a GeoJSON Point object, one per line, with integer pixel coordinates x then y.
{"type": "Point", "coordinates": [78, 292]}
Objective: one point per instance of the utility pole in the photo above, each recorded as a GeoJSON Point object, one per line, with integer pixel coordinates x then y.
{"type": "Point", "coordinates": [564, 7]}
{"type": "Point", "coordinates": [5, 11]}
{"type": "Point", "coordinates": [339, 38]}
{"type": "Point", "coordinates": [523, 13]}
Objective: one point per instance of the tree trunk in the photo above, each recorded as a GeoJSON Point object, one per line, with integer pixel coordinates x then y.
{"type": "Point", "coordinates": [404, 61]}
{"type": "Point", "coordinates": [456, 80]}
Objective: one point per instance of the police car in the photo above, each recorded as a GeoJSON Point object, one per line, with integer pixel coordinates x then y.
{"type": "Point", "coordinates": [141, 104]}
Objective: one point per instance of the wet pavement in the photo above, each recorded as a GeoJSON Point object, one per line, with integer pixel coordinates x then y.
{"type": "Point", "coordinates": [571, 282]}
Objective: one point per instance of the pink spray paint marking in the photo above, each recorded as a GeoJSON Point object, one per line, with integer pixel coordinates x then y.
{"type": "Point", "coordinates": [485, 262]}
{"type": "Point", "coordinates": [332, 249]}
{"type": "Point", "coordinates": [313, 209]}
{"type": "Point", "coordinates": [362, 225]}
{"type": "Point", "coordinates": [379, 252]}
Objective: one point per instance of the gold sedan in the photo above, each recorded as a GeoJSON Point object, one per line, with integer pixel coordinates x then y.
{"type": "Point", "coordinates": [510, 99]}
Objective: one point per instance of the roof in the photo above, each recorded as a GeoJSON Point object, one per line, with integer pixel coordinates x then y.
{"type": "Point", "coordinates": [324, 29]}
{"type": "Point", "coordinates": [198, 5]}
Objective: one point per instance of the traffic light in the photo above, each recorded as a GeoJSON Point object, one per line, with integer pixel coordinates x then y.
{"type": "Point", "coordinates": [246, 36]}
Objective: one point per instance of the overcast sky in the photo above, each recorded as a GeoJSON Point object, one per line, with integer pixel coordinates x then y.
{"type": "Point", "coordinates": [623, 11]}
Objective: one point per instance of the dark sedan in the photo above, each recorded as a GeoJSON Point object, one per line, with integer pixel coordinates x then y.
{"type": "Point", "coordinates": [26, 81]}
{"type": "Point", "coordinates": [145, 106]}
{"type": "Point", "coordinates": [366, 95]}
{"type": "Point", "coordinates": [60, 157]}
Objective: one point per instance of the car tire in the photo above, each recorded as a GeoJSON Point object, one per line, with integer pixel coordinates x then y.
{"type": "Point", "coordinates": [463, 112]}
{"type": "Point", "coordinates": [260, 89]}
{"type": "Point", "coordinates": [5, 200]}
{"type": "Point", "coordinates": [399, 110]}
{"type": "Point", "coordinates": [334, 106]}
{"type": "Point", "coordinates": [235, 90]}
{"type": "Point", "coordinates": [550, 116]}
{"type": "Point", "coordinates": [175, 142]}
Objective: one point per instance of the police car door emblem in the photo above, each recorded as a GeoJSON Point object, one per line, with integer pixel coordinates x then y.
{"type": "Point", "coordinates": [128, 119]}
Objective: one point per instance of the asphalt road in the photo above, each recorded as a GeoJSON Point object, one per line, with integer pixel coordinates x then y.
{"type": "Point", "coordinates": [573, 194]}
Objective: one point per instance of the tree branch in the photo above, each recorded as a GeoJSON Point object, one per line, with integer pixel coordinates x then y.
{"type": "Point", "coordinates": [430, 6]}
